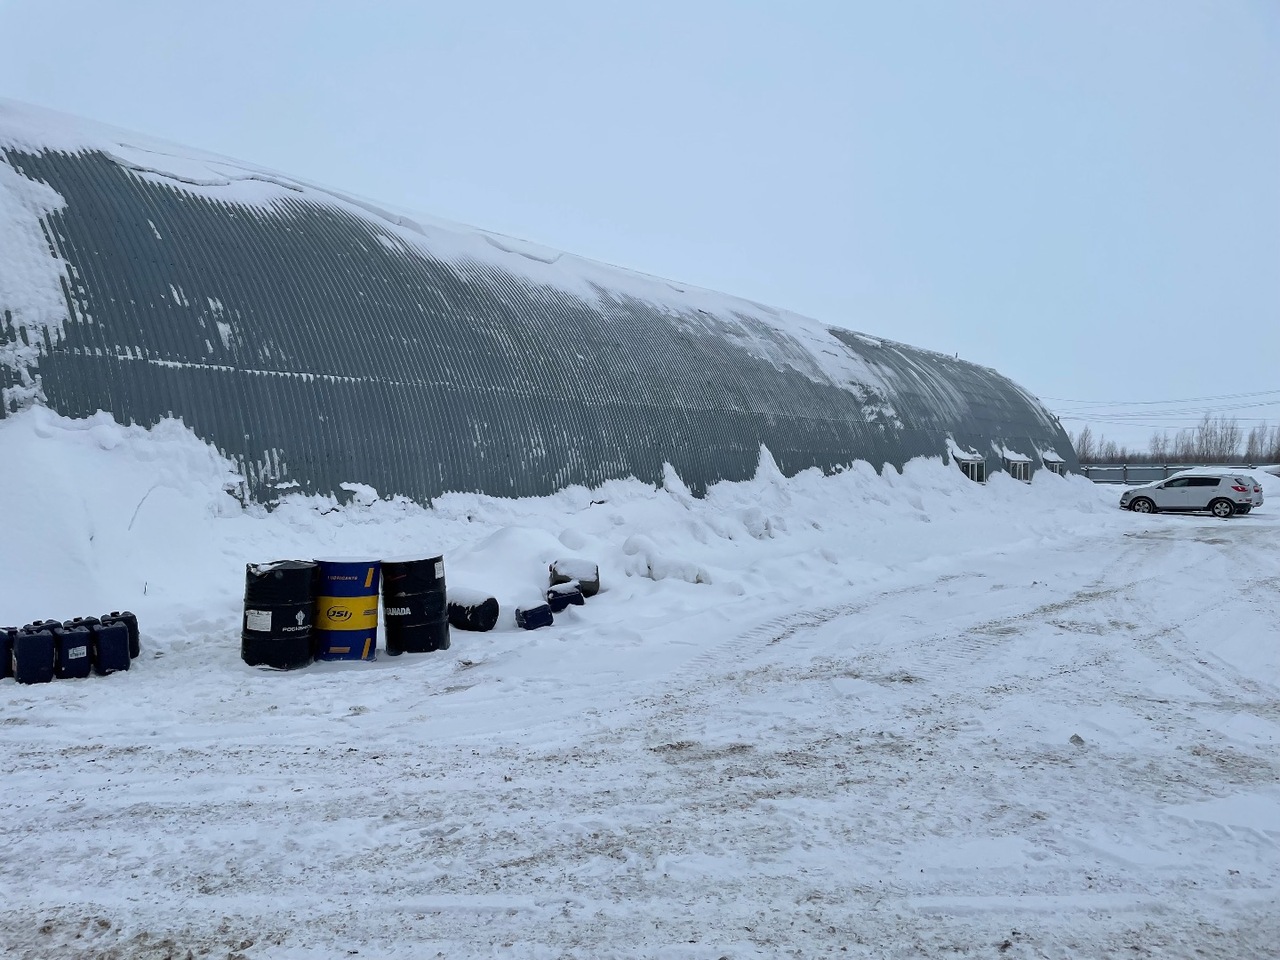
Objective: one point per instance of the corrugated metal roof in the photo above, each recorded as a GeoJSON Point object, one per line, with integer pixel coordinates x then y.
{"type": "Point", "coordinates": [315, 342]}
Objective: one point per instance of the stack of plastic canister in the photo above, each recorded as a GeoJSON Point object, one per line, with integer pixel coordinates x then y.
{"type": "Point", "coordinates": [110, 646]}
{"type": "Point", "coordinates": [584, 573]}
{"type": "Point", "coordinates": [131, 625]}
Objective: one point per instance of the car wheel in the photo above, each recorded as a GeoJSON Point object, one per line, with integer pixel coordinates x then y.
{"type": "Point", "coordinates": [1222, 509]}
{"type": "Point", "coordinates": [1142, 505]}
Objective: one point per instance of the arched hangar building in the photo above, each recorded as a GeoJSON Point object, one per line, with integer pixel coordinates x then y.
{"type": "Point", "coordinates": [318, 339]}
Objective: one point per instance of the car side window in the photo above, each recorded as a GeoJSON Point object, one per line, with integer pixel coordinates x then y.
{"type": "Point", "coordinates": [1205, 481]}
{"type": "Point", "coordinates": [1180, 482]}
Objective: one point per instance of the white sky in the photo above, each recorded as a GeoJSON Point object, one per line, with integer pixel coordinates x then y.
{"type": "Point", "coordinates": [1082, 195]}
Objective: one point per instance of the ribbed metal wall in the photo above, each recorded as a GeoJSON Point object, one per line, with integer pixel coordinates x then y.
{"type": "Point", "coordinates": [311, 344]}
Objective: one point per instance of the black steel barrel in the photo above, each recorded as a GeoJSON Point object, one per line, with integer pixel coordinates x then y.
{"type": "Point", "coordinates": [414, 605]}
{"type": "Point", "coordinates": [472, 610]}
{"type": "Point", "coordinates": [277, 614]}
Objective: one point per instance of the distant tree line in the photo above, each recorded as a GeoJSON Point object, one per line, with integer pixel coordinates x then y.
{"type": "Point", "coordinates": [1213, 440]}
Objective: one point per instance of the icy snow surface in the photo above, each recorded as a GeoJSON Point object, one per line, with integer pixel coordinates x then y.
{"type": "Point", "coordinates": [898, 716]}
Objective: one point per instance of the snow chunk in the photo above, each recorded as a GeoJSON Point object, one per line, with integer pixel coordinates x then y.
{"type": "Point", "coordinates": [1010, 455]}
{"type": "Point", "coordinates": [958, 452]}
{"type": "Point", "coordinates": [31, 278]}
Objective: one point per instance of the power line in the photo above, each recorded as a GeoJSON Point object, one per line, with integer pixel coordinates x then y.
{"type": "Point", "coordinates": [1184, 425]}
{"type": "Point", "coordinates": [1220, 413]}
{"type": "Point", "coordinates": [1141, 403]}
{"type": "Point", "coordinates": [1171, 411]}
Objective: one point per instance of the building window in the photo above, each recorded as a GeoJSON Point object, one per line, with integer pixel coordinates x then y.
{"type": "Point", "coordinates": [1054, 466]}
{"type": "Point", "coordinates": [975, 470]}
{"type": "Point", "coordinates": [1019, 469]}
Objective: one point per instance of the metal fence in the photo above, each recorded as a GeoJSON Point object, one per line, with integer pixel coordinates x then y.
{"type": "Point", "coordinates": [1147, 472]}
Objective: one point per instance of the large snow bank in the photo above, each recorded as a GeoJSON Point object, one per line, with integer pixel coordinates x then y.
{"type": "Point", "coordinates": [114, 515]}
{"type": "Point", "coordinates": [900, 713]}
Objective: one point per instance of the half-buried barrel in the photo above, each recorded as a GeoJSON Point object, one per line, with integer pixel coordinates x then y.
{"type": "Point", "coordinates": [346, 608]}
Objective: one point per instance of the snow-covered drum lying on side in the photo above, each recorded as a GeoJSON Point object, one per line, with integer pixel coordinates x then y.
{"type": "Point", "coordinates": [346, 608]}
{"type": "Point", "coordinates": [278, 601]}
{"type": "Point", "coordinates": [472, 609]}
{"type": "Point", "coordinates": [414, 605]}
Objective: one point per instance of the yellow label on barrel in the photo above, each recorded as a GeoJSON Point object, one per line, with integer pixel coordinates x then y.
{"type": "Point", "coordinates": [368, 578]}
{"type": "Point", "coordinates": [346, 613]}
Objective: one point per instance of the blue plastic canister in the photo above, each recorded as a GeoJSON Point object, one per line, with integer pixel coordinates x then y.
{"type": "Point", "coordinates": [33, 654]}
{"type": "Point", "coordinates": [6, 651]}
{"type": "Point", "coordinates": [74, 644]}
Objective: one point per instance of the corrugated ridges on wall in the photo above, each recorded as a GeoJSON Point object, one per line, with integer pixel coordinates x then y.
{"type": "Point", "coordinates": [314, 346]}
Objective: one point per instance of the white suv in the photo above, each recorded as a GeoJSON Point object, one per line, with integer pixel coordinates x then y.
{"type": "Point", "coordinates": [1257, 491]}
{"type": "Point", "coordinates": [1222, 494]}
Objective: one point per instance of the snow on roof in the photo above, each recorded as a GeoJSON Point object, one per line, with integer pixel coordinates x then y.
{"type": "Point", "coordinates": [1050, 456]}
{"type": "Point", "coordinates": [961, 453]}
{"type": "Point", "coordinates": [1010, 455]}
{"type": "Point", "coordinates": [805, 345]}
{"type": "Point", "coordinates": [30, 279]}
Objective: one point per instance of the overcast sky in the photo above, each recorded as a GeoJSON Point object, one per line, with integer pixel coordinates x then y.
{"type": "Point", "coordinates": [1083, 195]}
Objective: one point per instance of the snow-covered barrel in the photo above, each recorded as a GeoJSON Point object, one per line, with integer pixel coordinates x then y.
{"type": "Point", "coordinates": [414, 605]}
{"type": "Point", "coordinates": [472, 609]}
{"type": "Point", "coordinates": [277, 615]}
{"type": "Point", "coordinates": [346, 608]}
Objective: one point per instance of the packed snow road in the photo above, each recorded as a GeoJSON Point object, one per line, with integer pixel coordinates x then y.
{"type": "Point", "coordinates": [854, 716]}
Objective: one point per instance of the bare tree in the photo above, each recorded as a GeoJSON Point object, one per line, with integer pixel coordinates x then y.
{"type": "Point", "coordinates": [1184, 446]}
{"type": "Point", "coordinates": [1083, 443]}
{"type": "Point", "coordinates": [1255, 446]}
{"type": "Point", "coordinates": [1215, 439]}
{"type": "Point", "coordinates": [1268, 444]}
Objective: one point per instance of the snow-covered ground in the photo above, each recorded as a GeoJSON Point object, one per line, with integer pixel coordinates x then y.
{"type": "Point", "coordinates": [882, 716]}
